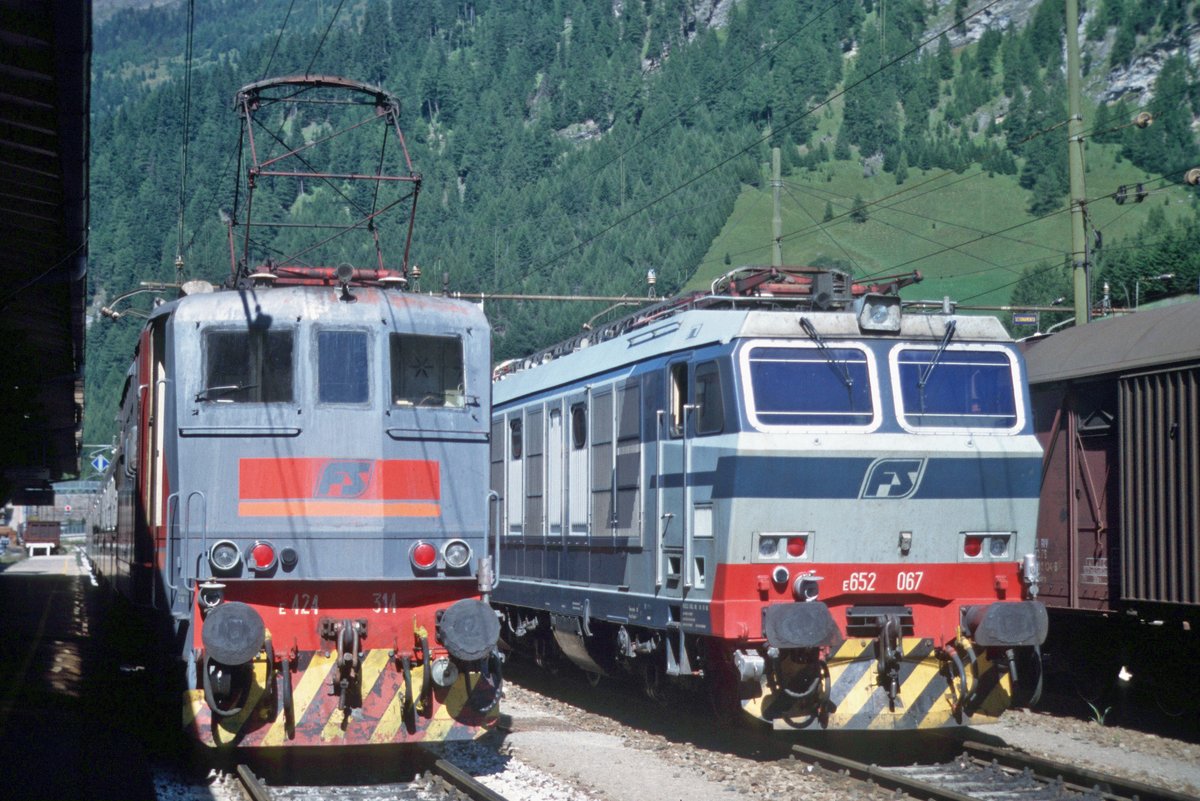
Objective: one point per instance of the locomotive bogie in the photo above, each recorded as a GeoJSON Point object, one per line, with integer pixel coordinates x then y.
{"type": "Point", "coordinates": [840, 519]}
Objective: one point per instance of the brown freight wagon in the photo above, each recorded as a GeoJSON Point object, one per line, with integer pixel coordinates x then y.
{"type": "Point", "coordinates": [1117, 410]}
{"type": "Point", "coordinates": [43, 535]}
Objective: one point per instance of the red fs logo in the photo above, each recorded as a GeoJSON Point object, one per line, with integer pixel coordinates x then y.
{"type": "Point", "coordinates": [339, 488]}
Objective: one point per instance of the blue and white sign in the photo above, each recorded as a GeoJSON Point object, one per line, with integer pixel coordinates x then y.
{"type": "Point", "coordinates": [100, 463]}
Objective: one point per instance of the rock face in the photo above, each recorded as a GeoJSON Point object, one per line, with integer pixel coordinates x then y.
{"type": "Point", "coordinates": [1135, 82]}
{"type": "Point", "coordinates": [999, 16]}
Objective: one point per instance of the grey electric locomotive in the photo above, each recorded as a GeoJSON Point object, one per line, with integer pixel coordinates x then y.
{"type": "Point", "coordinates": [821, 505]}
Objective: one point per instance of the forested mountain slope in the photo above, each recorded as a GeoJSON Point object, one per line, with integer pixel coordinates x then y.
{"type": "Point", "coordinates": [571, 145]}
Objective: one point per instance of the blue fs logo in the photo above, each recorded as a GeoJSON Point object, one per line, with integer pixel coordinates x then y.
{"type": "Point", "coordinates": [344, 479]}
{"type": "Point", "coordinates": [892, 478]}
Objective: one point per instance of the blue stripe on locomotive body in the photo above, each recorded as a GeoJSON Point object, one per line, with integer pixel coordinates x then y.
{"type": "Point", "coordinates": [747, 480]}
{"type": "Point", "coordinates": [781, 477]}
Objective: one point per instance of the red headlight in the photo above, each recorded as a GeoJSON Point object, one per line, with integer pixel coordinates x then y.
{"type": "Point", "coordinates": [796, 546]}
{"type": "Point", "coordinates": [261, 557]}
{"type": "Point", "coordinates": [424, 556]}
{"type": "Point", "coordinates": [973, 546]}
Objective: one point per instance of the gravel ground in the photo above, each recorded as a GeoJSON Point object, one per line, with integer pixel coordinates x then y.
{"type": "Point", "coordinates": [555, 750]}
{"type": "Point", "coordinates": [578, 754]}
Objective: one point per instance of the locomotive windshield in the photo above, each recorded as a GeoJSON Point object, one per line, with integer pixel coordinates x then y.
{"type": "Point", "coordinates": [427, 371]}
{"type": "Point", "coordinates": [247, 366]}
{"type": "Point", "coordinates": [800, 385]}
{"type": "Point", "coordinates": [965, 388]}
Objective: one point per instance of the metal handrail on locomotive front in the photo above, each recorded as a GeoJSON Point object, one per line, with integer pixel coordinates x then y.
{"type": "Point", "coordinates": [253, 97]}
{"type": "Point", "coordinates": [794, 288]}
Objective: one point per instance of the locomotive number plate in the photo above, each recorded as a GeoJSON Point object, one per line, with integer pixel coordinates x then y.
{"type": "Point", "coordinates": [859, 582]}
{"type": "Point", "coordinates": [302, 604]}
{"type": "Point", "coordinates": [867, 581]}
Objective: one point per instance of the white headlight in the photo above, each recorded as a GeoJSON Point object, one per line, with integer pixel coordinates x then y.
{"type": "Point", "coordinates": [457, 554]}
{"type": "Point", "coordinates": [224, 555]}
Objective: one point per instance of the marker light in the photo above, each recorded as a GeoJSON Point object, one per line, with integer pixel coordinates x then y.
{"type": "Point", "coordinates": [423, 556]}
{"type": "Point", "coordinates": [224, 555]}
{"type": "Point", "coordinates": [796, 546]}
{"type": "Point", "coordinates": [998, 546]}
{"type": "Point", "coordinates": [457, 554]}
{"type": "Point", "coordinates": [444, 672]}
{"type": "Point", "coordinates": [261, 556]}
{"type": "Point", "coordinates": [768, 547]}
{"type": "Point", "coordinates": [973, 545]}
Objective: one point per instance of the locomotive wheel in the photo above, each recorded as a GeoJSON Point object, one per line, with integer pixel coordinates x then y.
{"type": "Point", "coordinates": [544, 656]}
{"type": "Point", "coordinates": [653, 682]}
{"type": "Point", "coordinates": [285, 698]}
{"type": "Point", "coordinates": [721, 688]}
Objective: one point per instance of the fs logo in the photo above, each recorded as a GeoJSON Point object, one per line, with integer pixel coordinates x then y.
{"type": "Point", "coordinates": [344, 479]}
{"type": "Point", "coordinates": [892, 478]}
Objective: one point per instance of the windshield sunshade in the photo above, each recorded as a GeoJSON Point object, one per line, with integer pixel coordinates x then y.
{"type": "Point", "coordinates": [967, 389]}
{"type": "Point", "coordinates": [803, 386]}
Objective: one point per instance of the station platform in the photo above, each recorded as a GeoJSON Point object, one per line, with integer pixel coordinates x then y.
{"type": "Point", "coordinates": [68, 715]}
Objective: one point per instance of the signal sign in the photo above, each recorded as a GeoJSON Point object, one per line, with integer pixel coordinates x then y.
{"type": "Point", "coordinates": [1025, 318]}
{"type": "Point", "coordinates": [100, 463]}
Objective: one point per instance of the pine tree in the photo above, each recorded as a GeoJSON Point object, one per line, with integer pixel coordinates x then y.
{"type": "Point", "coordinates": [945, 58]}
{"type": "Point", "coordinates": [858, 210]}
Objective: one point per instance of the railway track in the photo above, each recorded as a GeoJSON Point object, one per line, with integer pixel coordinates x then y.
{"type": "Point", "coordinates": [441, 780]}
{"type": "Point", "coordinates": [995, 774]}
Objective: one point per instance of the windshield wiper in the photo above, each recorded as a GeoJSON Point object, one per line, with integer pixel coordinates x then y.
{"type": "Point", "coordinates": [937, 356]}
{"type": "Point", "coordinates": [207, 393]}
{"type": "Point", "coordinates": [837, 365]}
{"type": "Point", "coordinates": [933, 362]}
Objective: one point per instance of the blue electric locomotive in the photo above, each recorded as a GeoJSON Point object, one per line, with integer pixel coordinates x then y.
{"type": "Point", "coordinates": [786, 487]}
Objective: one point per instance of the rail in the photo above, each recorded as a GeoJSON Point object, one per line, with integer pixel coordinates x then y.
{"type": "Point", "coordinates": [441, 779]}
{"type": "Point", "coordinates": [988, 772]}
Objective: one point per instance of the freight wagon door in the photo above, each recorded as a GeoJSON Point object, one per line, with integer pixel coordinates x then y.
{"type": "Point", "coordinates": [1160, 487]}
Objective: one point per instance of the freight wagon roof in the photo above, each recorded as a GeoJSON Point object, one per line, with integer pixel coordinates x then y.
{"type": "Point", "coordinates": [1118, 345]}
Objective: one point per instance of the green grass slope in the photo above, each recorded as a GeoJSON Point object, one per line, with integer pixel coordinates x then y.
{"type": "Point", "coordinates": [968, 233]}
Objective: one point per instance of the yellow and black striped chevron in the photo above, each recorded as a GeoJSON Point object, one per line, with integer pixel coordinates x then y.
{"type": "Point", "coordinates": [929, 695]}
{"type": "Point", "coordinates": [382, 717]}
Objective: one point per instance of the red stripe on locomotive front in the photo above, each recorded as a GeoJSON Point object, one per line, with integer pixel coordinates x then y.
{"type": "Point", "coordinates": [941, 589]}
{"type": "Point", "coordinates": [292, 610]}
{"type": "Point", "coordinates": [304, 478]}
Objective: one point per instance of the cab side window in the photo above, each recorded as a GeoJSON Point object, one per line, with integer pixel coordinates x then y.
{"type": "Point", "coordinates": [711, 413]}
{"type": "Point", "coordinates": [679, 397]}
